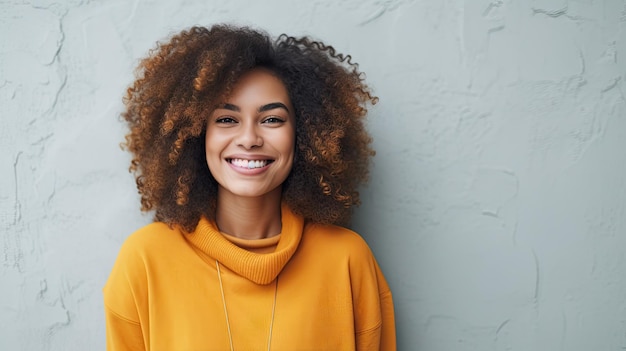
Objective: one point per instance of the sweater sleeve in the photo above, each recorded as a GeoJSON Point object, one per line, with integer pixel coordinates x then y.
{"type": "Point", "coordinates": [388, 328]}
{"type": "Point", "coordinates": [122, 334]}
{"type": "Point", "coordinates": [124, 296]}
{"type": "Point", "coordinates": [373, 306]}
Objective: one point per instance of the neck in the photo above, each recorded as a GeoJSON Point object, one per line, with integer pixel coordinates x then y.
{"type": "Point", "coordinates": [249, 217]}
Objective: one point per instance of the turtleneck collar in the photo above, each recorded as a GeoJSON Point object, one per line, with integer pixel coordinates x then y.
{"type": "Point", "coordinates": [258, 268]}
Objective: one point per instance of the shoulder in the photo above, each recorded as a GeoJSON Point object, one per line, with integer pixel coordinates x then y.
{"type": "Point", "coordinates": [141, 249]}
{"type": "Point", "coordinates": [129, 276]}
{"type": "Point", "coordinates": [334, 246]}
{"type": "Point", "coordinates": [157, 233]}
{"type": "Point", "coordinates": [332, 238]}
{"type": "Point", "coordinates": [149, 240]}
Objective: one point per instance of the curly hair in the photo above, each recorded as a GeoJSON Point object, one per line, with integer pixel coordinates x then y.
{"type": "Point", "coordinates": [183, 80]}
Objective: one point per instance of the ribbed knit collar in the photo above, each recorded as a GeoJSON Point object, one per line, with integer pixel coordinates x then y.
{"type": "Point", "coordinates": [258, 268]}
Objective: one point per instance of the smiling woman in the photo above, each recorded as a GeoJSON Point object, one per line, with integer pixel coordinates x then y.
{"type": "Point", "coordinates": [250, 143]}
{"type": "Point", "coordinates": [249, 151]}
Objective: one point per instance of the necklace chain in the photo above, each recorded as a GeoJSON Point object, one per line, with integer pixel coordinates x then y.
{"type": "Point", "coordinates": [230, 335]}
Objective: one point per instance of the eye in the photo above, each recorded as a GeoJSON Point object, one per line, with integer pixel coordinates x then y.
{"type": "Point", "coordinates": [225, 120]}
{"type": "Point", "coordinates": [273, 120]}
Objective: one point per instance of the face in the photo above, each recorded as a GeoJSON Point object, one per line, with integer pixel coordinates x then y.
{"type": "Point", "coordinates": [250, 138]}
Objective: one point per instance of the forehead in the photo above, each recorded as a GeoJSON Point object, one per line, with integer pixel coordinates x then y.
{"type": "Point", "coordinates": [259, 83]}
{"type": "Point", "coordinates": [256, 91]}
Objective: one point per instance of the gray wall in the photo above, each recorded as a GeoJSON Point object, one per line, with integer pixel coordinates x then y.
{"type": "Point", "coordinates": [497, 202]}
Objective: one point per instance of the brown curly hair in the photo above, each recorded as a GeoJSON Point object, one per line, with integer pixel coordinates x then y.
{"type": "Point", "coordinates": [184, 79]}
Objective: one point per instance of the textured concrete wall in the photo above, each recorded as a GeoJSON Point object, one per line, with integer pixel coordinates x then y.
{"type": "Point", "coordinates": [497, 204]}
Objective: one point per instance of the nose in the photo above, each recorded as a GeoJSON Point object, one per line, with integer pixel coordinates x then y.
{"type": "Point", "coordinates": [249, 137]}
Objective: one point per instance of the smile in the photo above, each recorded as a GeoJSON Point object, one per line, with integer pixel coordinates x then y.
{"type": "Point", "coordinates": [249, 164]}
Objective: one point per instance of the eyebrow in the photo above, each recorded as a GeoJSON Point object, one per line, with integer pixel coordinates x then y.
{"type": "Point", "coordinates": [273, 105]}
{"type": "Point", "coordinates": [267, 107]}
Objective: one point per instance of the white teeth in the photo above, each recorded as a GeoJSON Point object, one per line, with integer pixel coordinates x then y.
{"type": "Point", "coordinates": [249, 164]}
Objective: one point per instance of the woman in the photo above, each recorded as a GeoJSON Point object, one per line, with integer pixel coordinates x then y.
{"type": "Point", "coordinates": [249, 151]}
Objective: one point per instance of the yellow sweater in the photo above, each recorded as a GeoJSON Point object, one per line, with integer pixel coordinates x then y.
{"type": "Point", "coordinates": [329, 293]}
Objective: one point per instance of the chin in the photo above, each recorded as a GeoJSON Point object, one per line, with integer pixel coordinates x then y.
{"type": "Point", "coordinates": [248, 191]}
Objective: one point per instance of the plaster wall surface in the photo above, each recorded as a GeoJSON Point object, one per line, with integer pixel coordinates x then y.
{"type": "Point", "coordinates": [497, 201]}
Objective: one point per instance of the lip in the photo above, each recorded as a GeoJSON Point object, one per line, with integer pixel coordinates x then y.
{"type": "Point", "coordinates": [249, 157]}
{"type": "Point", "coordinates": [249, 171]}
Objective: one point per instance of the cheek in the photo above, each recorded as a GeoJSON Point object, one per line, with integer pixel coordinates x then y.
{"type": "Point", "coordinates": [211, 152]}
{"type": "Point", "coordinates": [293, 155]}
{"type": "Point", "coordinates": [290, 148]}
{"type": "Point", "coordinates": [212, 142]}
{"type": "Point", "coordinates": [291, 140]}
{"type": "Point", "coordinates": [207, 147]}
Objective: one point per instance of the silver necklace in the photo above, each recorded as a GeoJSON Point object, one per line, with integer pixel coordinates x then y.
{"type": "Point", "coordinates": [230, 335]}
